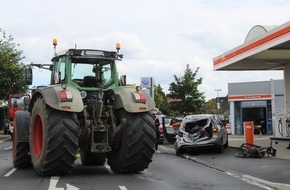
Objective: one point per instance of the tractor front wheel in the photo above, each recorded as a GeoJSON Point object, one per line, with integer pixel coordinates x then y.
{"type": "Point", "coordinates": [20, 144]}
{"type": "Point", "coordinates": [53, 139]}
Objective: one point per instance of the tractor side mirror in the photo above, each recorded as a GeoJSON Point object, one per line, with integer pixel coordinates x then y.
{"type": "Point", "coordinates": [122, 80]}
{"type": "Point", "coordinates": [28, 76]}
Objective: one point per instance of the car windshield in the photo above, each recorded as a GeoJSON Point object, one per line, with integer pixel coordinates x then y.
{"type": "Point", "coordinates": [166, 120]}
{"type": "Point", "coordinates": [94, 72]}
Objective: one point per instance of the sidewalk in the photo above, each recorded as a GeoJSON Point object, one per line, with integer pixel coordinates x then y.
{"type": "Point", "coordinates": [235, 141]}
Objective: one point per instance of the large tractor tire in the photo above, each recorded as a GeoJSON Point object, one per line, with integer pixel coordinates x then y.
{"type": "Point", "coordinates": [53, 139]}
{"type": "Point", "coordinates": [20, 140]}
{"type": "Point", "coordinates": [133, 146]}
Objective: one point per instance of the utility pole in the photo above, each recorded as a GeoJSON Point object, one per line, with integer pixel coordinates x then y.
{"type": "Point", "coordinates": [218, 101]}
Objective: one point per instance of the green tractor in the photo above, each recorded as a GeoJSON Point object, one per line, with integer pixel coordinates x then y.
{"type": "Point", "coordinates": [85, 110]}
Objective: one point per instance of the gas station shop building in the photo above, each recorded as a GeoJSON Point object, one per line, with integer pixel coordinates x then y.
{"type": "Point", "coordinates": [265, 48]}
{"type": "Point", "coordinates": [258, 102]}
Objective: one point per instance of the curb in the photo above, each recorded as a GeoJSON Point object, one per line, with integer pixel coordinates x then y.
{"type": "Point", "coordinates": [246, 177]}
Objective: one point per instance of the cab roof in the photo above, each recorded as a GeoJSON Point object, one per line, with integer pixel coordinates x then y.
{"type": "Point", "coordinates": [88, 54]}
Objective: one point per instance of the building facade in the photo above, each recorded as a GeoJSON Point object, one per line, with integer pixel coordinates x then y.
{"type": "Point", "coordinates": [261, 102]}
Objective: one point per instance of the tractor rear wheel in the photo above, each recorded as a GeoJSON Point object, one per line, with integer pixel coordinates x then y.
{"type": "Point", "coordinates": [133, 146]}
{"type": "Point", "coordinates": [20, 145]}
{"type": "Point", "coordinates": [53, 139]}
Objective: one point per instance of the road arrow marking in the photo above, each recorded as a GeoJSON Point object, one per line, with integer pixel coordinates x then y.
{"type": "Point", "coordinates": [71, 187]}
{"type": "Point", "coordinates": [53, 182]}
{"type": "Point", "coordinates": [122, 188]}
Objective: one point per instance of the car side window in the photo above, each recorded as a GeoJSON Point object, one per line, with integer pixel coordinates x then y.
{"type": "Point", "coordinates": [219, 122]}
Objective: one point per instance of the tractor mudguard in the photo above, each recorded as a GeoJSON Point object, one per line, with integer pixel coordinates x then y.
{"type": "Point", "coordinates": [124, 98]}
{"type": "Point", "coordinates": [51, 96]}
{"type": "Point", "coordinates": [21, 126]}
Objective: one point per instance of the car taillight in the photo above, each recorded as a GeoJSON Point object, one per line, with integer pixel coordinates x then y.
{"type": "Point", "coordinates": [160, 128]}
{"type": "Point", "coordinates": [65, 96]}
{"type": "Point", "coordinates": [215, 129]}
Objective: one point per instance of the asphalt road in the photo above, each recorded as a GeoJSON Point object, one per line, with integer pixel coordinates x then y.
{"type": "Point", "coordinates": [267, 168]}
{"type": "Point", "coordinates": [166, 172]}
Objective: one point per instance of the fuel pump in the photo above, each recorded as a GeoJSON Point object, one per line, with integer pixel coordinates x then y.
{"type": "Point", "coordinates": [287, 125]}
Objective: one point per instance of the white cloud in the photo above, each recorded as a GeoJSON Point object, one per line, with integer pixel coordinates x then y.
{"type": "Point", "coordinates": [157, 38]}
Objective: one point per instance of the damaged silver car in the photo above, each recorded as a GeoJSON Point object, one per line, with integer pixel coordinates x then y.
{"type": "Point", "coordinates": [201, 132]}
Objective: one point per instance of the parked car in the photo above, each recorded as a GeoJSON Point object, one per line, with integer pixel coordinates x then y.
{"type": "Point", "coordinates": [7, 128]}
{"type": "Point", "coordinates": [168, 128]}
{"type": "Point", "coordinates": [175, 123]}
{"type": "Point", "coordinates": [201, 132]}
{"type": "Point", "coordinates": [161, 137]}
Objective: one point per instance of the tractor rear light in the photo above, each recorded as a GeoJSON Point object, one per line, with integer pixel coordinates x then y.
{"type": "Point", "coordinates": [139, 97]}
{"type": "Point", "coordinates": [65, 96]}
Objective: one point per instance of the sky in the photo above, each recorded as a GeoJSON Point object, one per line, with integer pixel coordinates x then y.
{"type": "Point", "coordinates": [158, 38]}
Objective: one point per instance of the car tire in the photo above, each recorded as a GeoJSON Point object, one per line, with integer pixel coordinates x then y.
{"type": "Point", "coordinates": [220, 147]}
{"type": "Point", "coordinates": [226, 145]}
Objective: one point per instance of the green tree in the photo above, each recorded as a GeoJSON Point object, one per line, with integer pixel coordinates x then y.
{"type": "Point", "coordinates": [160, 99]}
{"type": "Point", "coordinates": [12, 71]}
{"type": "Point", "coordinates": [188, 99]}
{"type": "Point", "coordinates": [210, 106]}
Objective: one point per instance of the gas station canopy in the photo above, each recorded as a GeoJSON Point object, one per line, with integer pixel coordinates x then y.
{"type": "Point", "coordinates": [265, 48]}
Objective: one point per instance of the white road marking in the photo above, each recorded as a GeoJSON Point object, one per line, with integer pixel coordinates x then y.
{"type": "Point", "coordinates": [53, 182]}
{"type": "Point", "coordinates": [10, 172]}
{"type": "Point", "coordinates": [8, 148]}
{"type": "Point", "coordinates": [5, 140]}
{"type": "Point", "coordinates": [109, 169]}
{"type": "Point", "coordinates": [122, 188]}
{"type": "Point", "coordinates": [249, 181]}
{"type": "Point", "coordinates": [71, 187]}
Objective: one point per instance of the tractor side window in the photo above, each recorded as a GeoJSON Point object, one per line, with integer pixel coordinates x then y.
{"type": "Point", "coordinates": [107, 76]}
{"type": "Point", "coordinates": [62, 69]}
{"type": "Point", "coordinates": [59, 71]}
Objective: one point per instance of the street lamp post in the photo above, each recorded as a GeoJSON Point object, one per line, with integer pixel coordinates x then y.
{"type": "Point", "coordinates": [218, 100]}
{"type": "Point", "coordinates": [222, 113]}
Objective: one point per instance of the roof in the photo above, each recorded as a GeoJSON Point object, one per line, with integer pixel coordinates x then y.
{"type": "Point", "coordinates": [269, 50]}
{"type": "Point", "coordinates": [89, 54]}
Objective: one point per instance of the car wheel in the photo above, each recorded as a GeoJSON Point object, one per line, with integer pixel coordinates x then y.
{"type": "Point", "coordinates": [220, 147]}
{"type": "Point", "coordinates": [227, 143]}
